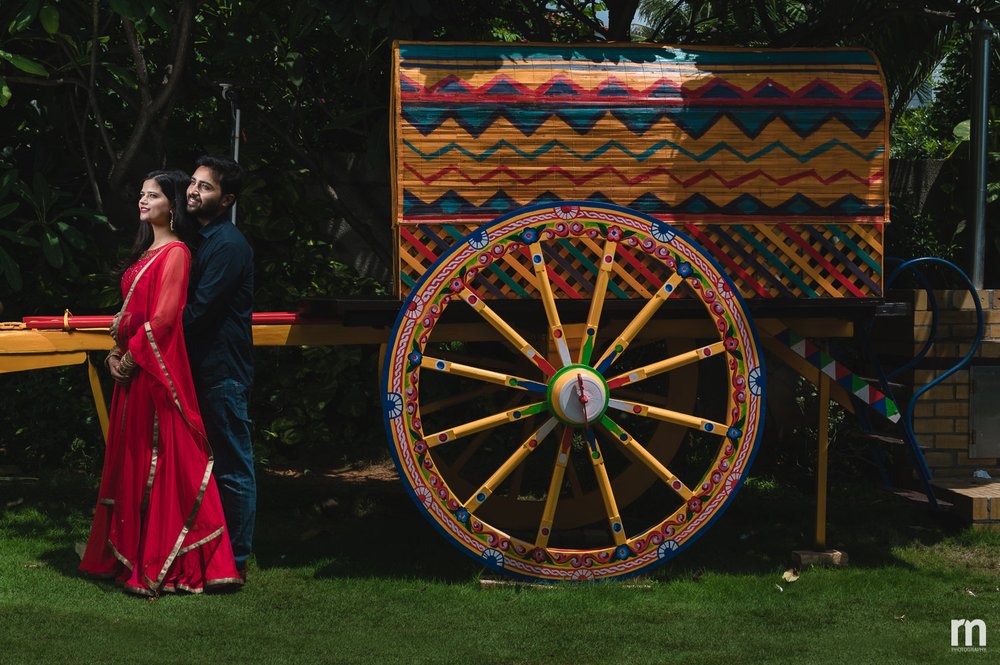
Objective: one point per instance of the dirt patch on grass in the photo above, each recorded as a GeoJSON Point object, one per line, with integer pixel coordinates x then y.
{"type": "Point", "coordinates": [372, 476]}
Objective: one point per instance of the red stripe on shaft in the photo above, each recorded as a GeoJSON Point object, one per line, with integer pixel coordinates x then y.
{"type": "Point", "coordinates": [104, 321]}
{"type": "Point", "coordinates": [615, 383]}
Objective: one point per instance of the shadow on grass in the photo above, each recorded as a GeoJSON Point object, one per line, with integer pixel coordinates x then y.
{"type": "Point", "coordinates": [370, 528]}
{"type": "Point", "coordinates": [768, 521]}
{"type": "Point", "coordinates": [373, 529]}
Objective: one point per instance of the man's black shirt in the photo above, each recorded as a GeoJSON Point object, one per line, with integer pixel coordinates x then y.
{"type": "Point", "coordinates": [217, 319]}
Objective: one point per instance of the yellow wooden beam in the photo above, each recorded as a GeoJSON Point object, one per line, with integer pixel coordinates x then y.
{"type": "Point", "coordinates": [807, 370]}
{"type": "Point", "coordinates": [822, 460]}
{"type": "Point", "coordinates": [27, 361]}
{"type": "Point", "coordinates": [53, 341]}
{"type": "Point", "coordinates": [98, 392]}
{"type": "Point", "coordinates": [318, 334]}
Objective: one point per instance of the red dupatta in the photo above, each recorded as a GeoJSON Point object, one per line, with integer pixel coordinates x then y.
{"type": "Point", "coordinates": [151, 326]}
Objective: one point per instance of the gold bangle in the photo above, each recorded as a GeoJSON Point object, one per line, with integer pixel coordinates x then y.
{"type": "Point", "coordinates": [127, 364]}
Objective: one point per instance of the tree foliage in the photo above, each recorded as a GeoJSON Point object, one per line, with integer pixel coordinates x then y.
{"type": "Point", "coordinates": [909, 38]}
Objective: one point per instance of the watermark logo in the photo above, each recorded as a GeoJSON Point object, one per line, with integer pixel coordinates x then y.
{"type": "Point", "coordinates": [968, 635]}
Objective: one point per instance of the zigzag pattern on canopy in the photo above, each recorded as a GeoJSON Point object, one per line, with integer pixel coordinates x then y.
{"type": "Point", "coordinates": [701, 136]}
{"type": "Point", "coordinates": [560, 88]}
{"type": "Point", "coordinates": [454, 204]}
{"type": "Point", "coordinates": [475, 118]}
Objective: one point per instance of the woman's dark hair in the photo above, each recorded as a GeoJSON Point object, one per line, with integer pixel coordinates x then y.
{"type": "Point", "coordinates": [174, 185]}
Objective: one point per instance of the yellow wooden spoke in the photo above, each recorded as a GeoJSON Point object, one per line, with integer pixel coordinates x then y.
{"type": "Point", "coordinates": [511, 335]}
{"type": "Point", "coordinates": [494, 481]}
{"type": "Point", "coordinates": [607, 494]}
{"type": "Point", "coordinates": [626, 440]}
{"type": "Point", "coordinates": [470, 372]}
{"type": "Point", "coordinates": [471, 447]}
{"type": "Point", "coordinates": [666, 415]}
{"type": "Point", "coordinates": [495, 420]}
{"type": "Point", "coordinates": [555, 488]}
{"type": "Point", "coordinates": [486, 362]}
{"type": "Point", "coordinates": [636, 324]}
{"type": "Point", "coordinates": [681, 360]}
{"type": "Point", "coordinates": [549, 301]}
{"type": "Point", "coordinates": [597, 301]}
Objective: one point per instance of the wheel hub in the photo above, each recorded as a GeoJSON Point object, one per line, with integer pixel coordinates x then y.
{"type": "Point", "coordinates": [578, 395]}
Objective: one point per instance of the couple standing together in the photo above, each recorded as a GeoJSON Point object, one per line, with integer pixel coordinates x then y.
{"type": "Point", "coordinates": [177, 501]}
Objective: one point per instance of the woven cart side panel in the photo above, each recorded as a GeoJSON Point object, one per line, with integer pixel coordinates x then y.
{"type": "Point", "coordinates": [790, 140]}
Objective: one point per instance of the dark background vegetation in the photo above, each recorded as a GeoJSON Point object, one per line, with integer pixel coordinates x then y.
{"type": "Point", "coordinates": [93, 94]}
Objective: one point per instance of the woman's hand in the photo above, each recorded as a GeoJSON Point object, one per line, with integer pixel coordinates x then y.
{"type": "Point", "coordinates": [113, 328]}
{"type": "Point", "coordinates": [113, 362]}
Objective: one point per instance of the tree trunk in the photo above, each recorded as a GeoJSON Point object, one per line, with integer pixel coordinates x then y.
{"type": "Point", "coordinates": [621, 13]}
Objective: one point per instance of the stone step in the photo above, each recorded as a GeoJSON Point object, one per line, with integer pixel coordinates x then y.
{"type": "Point", "coordinates": [976, 500]}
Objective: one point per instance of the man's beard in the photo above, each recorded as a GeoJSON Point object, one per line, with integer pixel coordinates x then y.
{"type": "Point", "coordinates": [206, 210]}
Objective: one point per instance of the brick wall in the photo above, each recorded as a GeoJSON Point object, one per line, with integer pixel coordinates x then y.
{"type": "Point", "coordinates": [942, 418]}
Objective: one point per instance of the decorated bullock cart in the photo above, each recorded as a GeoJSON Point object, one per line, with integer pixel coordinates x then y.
{"type": "Point", "coordinates": [615, 217]}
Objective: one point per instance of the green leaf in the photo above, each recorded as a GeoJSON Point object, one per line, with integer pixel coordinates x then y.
{"type": "Point", "coordinates": [44, 196]}
{"type": "Point", "coordinates": [72, 236]}
{"type": "Point", "coordinates": [80, 213]}
{"type": "Point", "coordinates": [5, 93]}
{"type": "Point", "coordinates": [6, 180]}
{"type": "Point", "coordinates": [11, 271]}
{"type": "Point", "coordinates": [124, 76]}
{"type": "Point", "coordinates": [962, 131]}
{"type": "Point", "coordinates": [49, 17]}
{"type": "Point", "coordinates": [130, 9]}
{"type": "Point", "coordinates": [160, 17]}
{"type": "Point", "coordinates": [52, 250]}
{"type": "Point", "coordinates": [24, 64]}
{"type": "Point", "coordinates": [25, 16]}
{"type": "Point", "coordinates": [18, 238]}
{"type": "Point", "coordinates": [8, 208]}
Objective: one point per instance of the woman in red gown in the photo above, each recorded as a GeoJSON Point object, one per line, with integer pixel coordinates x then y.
{"type": "Point", "coordinates": [158, 525]}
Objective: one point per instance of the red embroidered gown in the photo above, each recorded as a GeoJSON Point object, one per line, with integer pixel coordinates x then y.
{"type": "Point", "coordinates": [158, 525]}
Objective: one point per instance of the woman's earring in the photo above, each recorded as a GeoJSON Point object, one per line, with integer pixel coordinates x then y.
{"type": "Point", "coordinates": [171, 220]}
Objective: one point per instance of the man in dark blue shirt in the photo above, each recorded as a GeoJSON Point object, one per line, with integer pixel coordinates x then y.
{"type": "Point", "coordinates": [217, 328]}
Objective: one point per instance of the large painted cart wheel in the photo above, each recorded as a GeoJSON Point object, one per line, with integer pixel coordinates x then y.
{"type": "Point", "coordinates": [554, 408]}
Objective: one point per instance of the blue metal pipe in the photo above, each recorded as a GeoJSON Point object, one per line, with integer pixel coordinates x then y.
{"type": "Point", "coordinates": [907, 418]}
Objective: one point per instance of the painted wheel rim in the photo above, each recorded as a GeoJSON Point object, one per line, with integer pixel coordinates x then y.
{"type": "Point", "coordinates": [561, 429]}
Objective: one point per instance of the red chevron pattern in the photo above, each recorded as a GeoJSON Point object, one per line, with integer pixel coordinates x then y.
{"type": "Point", "coordinates": [768, 92]}
{"type": "Point", "coordinates": [583, 178]}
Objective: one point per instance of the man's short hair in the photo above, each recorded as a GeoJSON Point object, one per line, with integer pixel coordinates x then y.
{"type": "Point", "coordinates": [230, 173]}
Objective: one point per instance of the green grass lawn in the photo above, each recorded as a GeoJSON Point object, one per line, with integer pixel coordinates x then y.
{"type": "Point", "coordinates": [352, 574]}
